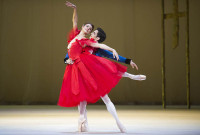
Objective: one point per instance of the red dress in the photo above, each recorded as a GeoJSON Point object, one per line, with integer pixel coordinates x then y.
{"type": "Point", "coordinates": [90, 77]}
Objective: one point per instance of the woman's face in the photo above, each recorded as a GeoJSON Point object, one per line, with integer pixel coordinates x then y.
{"type": "Point", "coordinates": [87, 28]}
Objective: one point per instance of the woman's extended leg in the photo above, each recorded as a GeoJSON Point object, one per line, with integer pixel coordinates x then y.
{"type": "Point", "coordinates": [134, 77]}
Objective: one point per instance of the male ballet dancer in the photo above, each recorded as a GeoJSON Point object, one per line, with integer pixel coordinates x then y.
{"type": "Point", "coordinates": [99, 36]}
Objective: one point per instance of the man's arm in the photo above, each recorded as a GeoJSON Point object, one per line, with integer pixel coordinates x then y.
{"type": "Point", "coordinates": [108, 54]}
{"type": "Point", "coordinates": [66, 58]}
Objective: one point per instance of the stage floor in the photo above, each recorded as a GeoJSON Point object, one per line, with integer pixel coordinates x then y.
{"type": "Point", "coordinates": [139, 120]}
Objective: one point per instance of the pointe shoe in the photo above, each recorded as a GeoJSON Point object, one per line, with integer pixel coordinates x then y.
{"type": "Point", "coordinates": [85, 127]}
{"type": "Point", "coordinates": [81, 124]}
{"type": "Point", "coordinates": [138, 77]}
{"type": "Point", "coordinates": [121, 127]}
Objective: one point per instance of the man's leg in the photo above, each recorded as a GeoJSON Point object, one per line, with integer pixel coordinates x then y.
{"type": "Point", "coordinates": [111, 108]}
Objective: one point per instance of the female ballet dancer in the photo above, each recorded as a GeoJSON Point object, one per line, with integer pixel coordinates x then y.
{"type": "Point", "coordinates": [82, 87]}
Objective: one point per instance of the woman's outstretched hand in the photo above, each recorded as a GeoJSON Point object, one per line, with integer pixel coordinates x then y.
{"type": "Point", "coordinates": [70, 4]}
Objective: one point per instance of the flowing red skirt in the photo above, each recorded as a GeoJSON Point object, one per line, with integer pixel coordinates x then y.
{"type": "Point", "coordinates": [88, 79]}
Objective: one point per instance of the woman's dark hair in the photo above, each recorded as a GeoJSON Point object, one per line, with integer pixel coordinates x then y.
{"type": "Point", "coordinates": [90, 24]}
{"type": "Point", "coordinates": [101, 34]}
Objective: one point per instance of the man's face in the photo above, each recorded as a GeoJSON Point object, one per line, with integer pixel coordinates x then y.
{"type": "Point", "coordinates": [94, 34]}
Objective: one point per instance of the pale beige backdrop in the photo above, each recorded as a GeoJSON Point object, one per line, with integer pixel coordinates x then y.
{"type": "Point", "coordinates": [33, 46]}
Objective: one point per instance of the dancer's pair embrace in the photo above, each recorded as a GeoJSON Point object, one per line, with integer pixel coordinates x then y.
{"type": "Point", "coordinates": [89, 77]}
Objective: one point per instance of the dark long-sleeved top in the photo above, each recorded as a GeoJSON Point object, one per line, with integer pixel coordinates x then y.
{"type": "Point", "coordinates": [105, 53]}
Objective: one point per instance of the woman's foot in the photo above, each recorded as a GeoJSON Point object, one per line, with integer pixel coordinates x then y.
{"type": "Point", "coordinates": [81, 125]}
{"type": "Point", "coordinates": [138, 77]}
{"type": "Point", "coordinates": [85, 127]}
{"type": "Point", "coordinates": [121, 127]}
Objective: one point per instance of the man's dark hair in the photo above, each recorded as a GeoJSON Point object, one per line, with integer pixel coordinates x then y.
{"type": "Point", "coordinates": [90, 24]}
{"type": "Point", "coordinates": [101, 34]}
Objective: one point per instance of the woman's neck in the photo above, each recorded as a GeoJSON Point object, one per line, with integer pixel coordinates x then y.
{"type": "Point", "coordinates": [82, 34]}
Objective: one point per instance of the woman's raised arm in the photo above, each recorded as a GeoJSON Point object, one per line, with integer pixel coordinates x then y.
{"type": "Point", "coordinates": [75, 16]}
